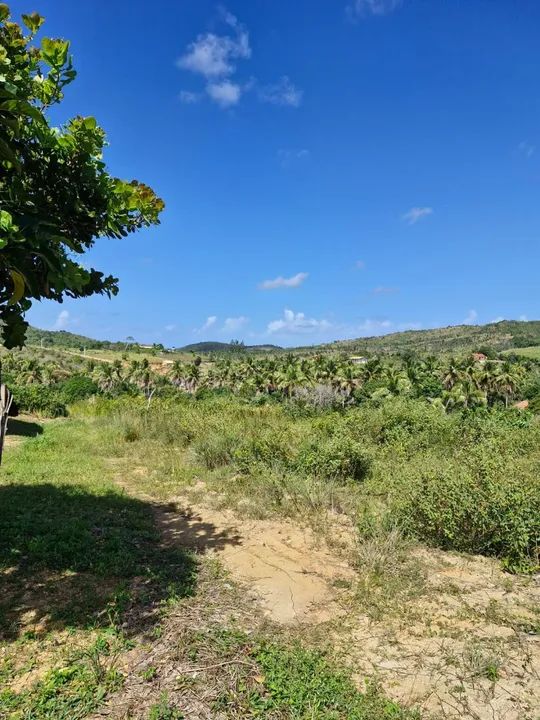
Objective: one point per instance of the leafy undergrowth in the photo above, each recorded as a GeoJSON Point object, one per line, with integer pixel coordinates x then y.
{"type": "Point", "coordinates": [467, 482]}
{"type": "Point", "coordinates": [281, 681]}
{"type": "Point", "coordinates": [86, 579]}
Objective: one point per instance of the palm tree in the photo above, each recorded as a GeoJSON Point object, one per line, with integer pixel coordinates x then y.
{"type": "Point", "coordinates": [396, 381]}
{"type": "Point", "coordinates": [177, 372]}
{"type": "Point", "coordinates": [193, 374]}
{"type": "Point", "coordinates": [452, 374]}
{"type": "Point", "coordinates": [508, 380]}
{"type": "Point", "coordinates": [105, 377]}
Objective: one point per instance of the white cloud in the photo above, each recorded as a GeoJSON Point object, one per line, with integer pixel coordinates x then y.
{"type": "Point", "coordinates": [360, 265]}
{"type": "Point", "coordinates": [363, 8]}
{"type": "Point", "coordinates": [471, 318]}
{"type": "Point", "coordinates": [415, 214]}
{"type": "Point", "coordinates": [232, 324]}
{"type": "Point", "coordinates": [213, 55]}
{"type": "Point", "coordinates": [371, 327]}
{"type": "Point", "coordinates": [189, 98]}
{"type": "Point", "coordinates": [382, 290]}
{"type": "Point", "coordinates": [283, 92]}
{"type": "Point", "coordinates": [525, 148]}
{"type": "Point", "coordinates": [170, 328]}
{"type": "Point", "coordinates": [379, 326]}
{"type": "Point", "coordinates": [210, 322]}
{"type": "Point", "coordinates": [292, 322]}
{"type": "Point", "coordinates": [62, 320]}
{"type": "Point", "coordinates": [224, 93]}
{"type": "Point", "coordinates": [498, 319]}
{"type": "Point", "coordinates": [287, 156]}
{"type": "Point", "coordinates": [523, 318]}
{"type": "Point", "coordinates": [280, 282]}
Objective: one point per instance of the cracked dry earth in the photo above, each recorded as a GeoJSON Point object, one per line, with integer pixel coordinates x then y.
{"type": "Point", "coordinates": [467, 645]}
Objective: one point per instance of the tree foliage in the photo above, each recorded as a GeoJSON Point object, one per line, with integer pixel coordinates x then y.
{"type": "Point", "coordinates": [56, 195]}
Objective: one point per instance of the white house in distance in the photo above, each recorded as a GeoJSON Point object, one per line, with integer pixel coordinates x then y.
{"type": "Point", "coordinates": [358, 360]}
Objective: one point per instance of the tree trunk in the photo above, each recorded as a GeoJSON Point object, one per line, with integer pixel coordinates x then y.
{"type": "Point", "coordinates": [6, 398]}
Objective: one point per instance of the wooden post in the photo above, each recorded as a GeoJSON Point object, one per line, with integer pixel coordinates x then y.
{"type": "Point", "coordinates": [6, 398]}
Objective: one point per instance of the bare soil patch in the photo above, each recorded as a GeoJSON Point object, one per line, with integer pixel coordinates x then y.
{"type": "Point", "coordinates": [465, 644]}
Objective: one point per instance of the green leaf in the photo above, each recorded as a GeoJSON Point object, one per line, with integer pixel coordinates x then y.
{"type": "Point", "coordinates": [54, 52]}
{"type": "Point", "coordinates": [18, 287]}
{"type": "Point", "coordinates": [4, 12]}
{"type": "Point", "coordinates": [33, 21]}
{"type": "Point", "coordinates": [6, 221]}
{"type": "Point", "coordinates": [90, 123]}
{"type": "Point", "coordinates": [6, 153]}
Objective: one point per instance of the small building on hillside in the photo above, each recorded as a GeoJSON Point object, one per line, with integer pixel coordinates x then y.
{"type": "Point", "coordinates": [358, 360]}
{"type": "Point", "coordinates": [479, 357]}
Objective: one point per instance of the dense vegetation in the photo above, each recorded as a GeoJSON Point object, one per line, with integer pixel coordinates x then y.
{"type": "Point", "coordinates": [56, 196]}
{"type": "Point", "coordinates": [432, 446]}
{"type": "Point", "coordinates": [65, 339]}
{"type": "Point", "coordinates": [491, 338]}
{"type": "Point", "coordinates": [85, 578]}
{"type": "Point", "coordinates": [454, 339]}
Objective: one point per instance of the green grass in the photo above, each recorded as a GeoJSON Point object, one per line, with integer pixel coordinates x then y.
{"type": "Point", "coordinates": [301, 684]}
{"type": "Point", "coordinates": [528, 352]}
{"type": "Point", "coordinates": [82, 570]}
{"type": "Point", "coordinates": [468, 482]}
{"type": "Point", "coordinates": [62, 517]}
{"type": "Point", "coordinates": [255, 676]}
{"type": "Point", "coordinates": [79, 560]}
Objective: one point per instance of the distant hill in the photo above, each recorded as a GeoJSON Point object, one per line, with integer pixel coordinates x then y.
{"type": "Point", "coordinates": [211, 346]}
{"type": "Point", "coordinates": [502, 335]}
{"type": "Point", "coordinates": [69, 340]}
{"type": "Point", "coordinates": [64, 339]}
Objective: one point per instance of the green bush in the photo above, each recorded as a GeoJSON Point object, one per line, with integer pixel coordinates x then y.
{"type": "Point", "coordinates": [215, 449]}
{"type": "Point", "coordinates": [402, 424]}
{"type": "Point", "coordinates": [76, 388]}
{"type": "Point", "coordinates": [480, 508]}
{"type": "Point", "coordinates": [267, 450]}
{"type": "Point", "coordinates": [39, 400]}
{"type": "Point", "coordinates": [334, 458]}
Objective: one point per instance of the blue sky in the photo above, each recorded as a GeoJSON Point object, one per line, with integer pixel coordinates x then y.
{"type": "Point", "coordinates": [331, 168]}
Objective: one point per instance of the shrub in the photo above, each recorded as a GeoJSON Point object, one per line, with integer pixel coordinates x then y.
{"type": "Point", "coordinates": [336, 458]}
{"type": "Point", "coordinates": [215, 449]}
{"type": "Point", "coordinates": [320, 397]}
{"type": "Point", "coordinates": [39, 400]}
{"type": "Point", "coordinates": [534, 404]}
{"type": "Point", "coordinates": [266, 450]}
{"type": "Point", "coordinates": [401, 423]}
{"type": "Point", "coordinates": [476, 509]}
{"type": "Point", "coordinates": [76, 388]}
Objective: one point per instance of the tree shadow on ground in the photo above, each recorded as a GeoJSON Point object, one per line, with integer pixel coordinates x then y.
{"type": "Point", "coordinates": [23, 428]}
{"type": "Point", "coordinates": [72, 558]}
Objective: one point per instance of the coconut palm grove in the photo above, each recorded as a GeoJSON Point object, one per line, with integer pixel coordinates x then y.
{"type": "Point", "coordinates": [334, 515]}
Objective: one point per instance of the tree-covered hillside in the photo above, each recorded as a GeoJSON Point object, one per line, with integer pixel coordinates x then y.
{"type": "Point", "coordinates": [503, 335]}
{"type": "Point", "coordinates": [64, 339]}
{"type": "Point", "coordinates": [215, 346]}
{"type": "Point", "coordinates": [457, 338]}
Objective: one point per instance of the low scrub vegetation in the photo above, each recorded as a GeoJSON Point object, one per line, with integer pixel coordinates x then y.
{"type": "Point", "coordinates": [466, 482]}
{"type": "Point", "coordinates": [85, 577]}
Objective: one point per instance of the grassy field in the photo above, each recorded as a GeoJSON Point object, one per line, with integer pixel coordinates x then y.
{"type": "Point", "coordinates": [98, 603]}
{"type": "Point", "coordinates": [87, 582]}
{"type": "Point", "coordinates": [527, 352]}
{"type": "Point", "coordinates": [468, 483]}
